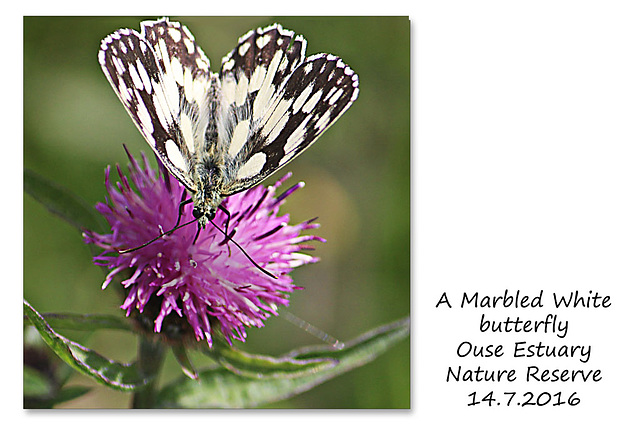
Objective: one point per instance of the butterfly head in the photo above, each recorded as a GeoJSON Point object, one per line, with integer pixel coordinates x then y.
{"type": "Point", "coordinates": [203, 215]}
{"type": "Point", "coordinates": [205, 205]}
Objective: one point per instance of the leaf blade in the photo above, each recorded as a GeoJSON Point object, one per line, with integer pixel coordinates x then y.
{"type": "Point", "coordinates": [262, 367]}
{"type": "Point", "coordinates": [85, 322]}
{"type": "Point", "coordinates": [221, 388]}
{"type": "Point", "coordinates": [120, 376]}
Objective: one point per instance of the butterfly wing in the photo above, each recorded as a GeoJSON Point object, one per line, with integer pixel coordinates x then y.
{"type": "Point", "coordinates": [275, 103]}
{"type": "Point", "coordinates": [163, 79]}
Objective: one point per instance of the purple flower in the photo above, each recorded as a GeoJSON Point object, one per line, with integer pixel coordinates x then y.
{"type": "Point", "coordinates": [208, 286]}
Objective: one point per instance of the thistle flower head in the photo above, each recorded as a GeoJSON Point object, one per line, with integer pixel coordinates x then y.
{"type": "Point", "coordinates": [208, 286]}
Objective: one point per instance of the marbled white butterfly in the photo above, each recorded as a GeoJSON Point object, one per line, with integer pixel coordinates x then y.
{"type": "Point", "coordinates": [222, 133]}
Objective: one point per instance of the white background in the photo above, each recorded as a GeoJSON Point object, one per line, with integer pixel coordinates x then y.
{"type": "Point", "coordinates": [526, 175]}
{"type": "Point", "coordinates": [526, 167]}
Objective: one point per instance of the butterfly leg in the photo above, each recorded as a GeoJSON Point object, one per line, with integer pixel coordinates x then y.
{"type": "Point", "coordinates": [181, 206]}
{"type": "Point", "coordinates": [226, 229]}
{"type": "Point", "coordinates": [197, 234]}
{"type": "Point", "coordinates": [226, 225]}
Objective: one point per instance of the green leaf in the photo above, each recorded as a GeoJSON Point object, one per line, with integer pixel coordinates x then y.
{"type": "Point", "coordinates": [120, 376]}
{"type": "Point", "coordinates": [63, 203]}
{"type": "Point", "coordinates": [41, 391]}
{"type": "Point", "coordinates": [85, 322]}
{"type": "Point", "coordinates": [262, 367]}
{"type": "Point", "coordinates": [35, 383]}
{"type": "Point", "coordinates": [221, 388]}
{"type": "Point", "coordinates": [63, 395]}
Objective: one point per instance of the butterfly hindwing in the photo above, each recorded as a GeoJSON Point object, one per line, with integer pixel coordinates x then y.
{"type": "Point", "coordinates": [284, 105]}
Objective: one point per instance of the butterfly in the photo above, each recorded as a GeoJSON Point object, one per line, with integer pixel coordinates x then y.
{"type": "Point", "coordinates": [222, 133]}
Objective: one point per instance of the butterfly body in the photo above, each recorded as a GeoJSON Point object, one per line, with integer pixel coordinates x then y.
{"type": "Point", "coordinates": [206, 197]}
{"type": "Point", "coordinates": [222, 133]}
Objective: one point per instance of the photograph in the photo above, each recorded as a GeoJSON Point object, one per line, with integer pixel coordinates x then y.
{"type": "Point", "coordinates": [217, 212]}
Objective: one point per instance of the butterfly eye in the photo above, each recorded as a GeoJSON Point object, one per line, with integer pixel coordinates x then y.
{"type": "Point", "coordinates": [197, 212]}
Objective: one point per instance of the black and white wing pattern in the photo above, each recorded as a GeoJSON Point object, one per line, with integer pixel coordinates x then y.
{"type": "Point", "coordinates": [275, 103]}
{"type": "Point", "coordinates": [222, 133]}
{"type": "Point", "coordinates": [164, 81]}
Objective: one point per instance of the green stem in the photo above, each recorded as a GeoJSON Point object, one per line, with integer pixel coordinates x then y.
{"type": "Point", "coordinates": [150, 357]}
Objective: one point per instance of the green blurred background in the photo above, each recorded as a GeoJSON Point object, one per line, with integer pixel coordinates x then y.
{"type": "Point", "coordinates": [357, 176]}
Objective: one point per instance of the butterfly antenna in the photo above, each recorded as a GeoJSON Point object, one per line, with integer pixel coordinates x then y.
{"type": "Point", "coordinates": [126, 251]}
{"type": "Point", "coordinates": [228, 238]}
